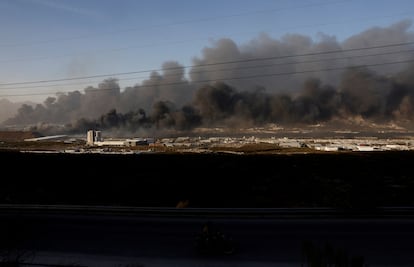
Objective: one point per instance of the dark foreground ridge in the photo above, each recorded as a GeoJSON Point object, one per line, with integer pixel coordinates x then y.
{"type": "Point", "coordinates": [342, 180]}
{"type": "Point", "coordinates": [168, 213]}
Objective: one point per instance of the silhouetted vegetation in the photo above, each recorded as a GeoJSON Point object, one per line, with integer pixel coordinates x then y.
{"type": "Point", "coordinates": [13, 233]}
{"type": "Point", "coordinates": [329, 255]}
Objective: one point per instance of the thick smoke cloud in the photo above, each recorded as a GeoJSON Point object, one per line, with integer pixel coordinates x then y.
{"type": "Point", "coordinates": [294, 79]}
{"type": "Point", "coordinates": [170, 85]}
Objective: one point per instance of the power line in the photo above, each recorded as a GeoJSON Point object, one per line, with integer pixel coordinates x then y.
{"type": "Point", "coordinates": [236, 78]}
{"type": "Point", "coordinates": [183, 22]}
{"type": "Point", "coordinates": [184, 41]}
{"type": "Point", "coordinates": [225, 69]}
{"type": "Point", "coordinates": [178, 42]}
{"type": "Point", "coordinates": [211, 64]}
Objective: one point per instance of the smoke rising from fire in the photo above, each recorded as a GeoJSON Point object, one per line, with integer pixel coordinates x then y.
{"type": "Point", "coordinates": [294, 79]}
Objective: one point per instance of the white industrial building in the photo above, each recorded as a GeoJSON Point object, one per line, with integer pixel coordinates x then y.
{"type": "Point", "coordinates": [93, 136]}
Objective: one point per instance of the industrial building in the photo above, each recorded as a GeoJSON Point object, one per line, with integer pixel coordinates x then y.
{"type": "Point", "coordinates": [94, 138]}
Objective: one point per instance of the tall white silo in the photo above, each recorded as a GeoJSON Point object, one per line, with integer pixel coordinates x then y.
{"type": "Point", "coordinates": [90, 137]}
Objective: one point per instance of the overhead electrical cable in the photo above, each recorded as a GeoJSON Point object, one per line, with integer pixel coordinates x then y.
{"type": "Point", "coordinates": [238, 78]}
{"type": "Point", "coordinates": [183, 22]}
{"type": "Point", "coordinates": [223, 69]}
{"type": "Point", "coordinates": [212, 64]}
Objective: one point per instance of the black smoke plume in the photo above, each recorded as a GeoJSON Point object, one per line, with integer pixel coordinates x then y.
{"type": "Point", "coordinates": [294, 79]}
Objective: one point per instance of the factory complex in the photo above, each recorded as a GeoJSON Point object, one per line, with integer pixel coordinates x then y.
{"type": "Point", "coordinates": [95, 140]}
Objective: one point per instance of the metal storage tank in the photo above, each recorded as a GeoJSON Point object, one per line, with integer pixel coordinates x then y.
{"type": "Point", "coordinates": [98, 136]}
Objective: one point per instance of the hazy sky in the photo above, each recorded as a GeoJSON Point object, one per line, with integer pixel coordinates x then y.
{"type": "Point", "coordinates": [44, 40]}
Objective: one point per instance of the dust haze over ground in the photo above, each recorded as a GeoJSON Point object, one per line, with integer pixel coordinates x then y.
{"type": "Point", "coordinates": [294, 79]}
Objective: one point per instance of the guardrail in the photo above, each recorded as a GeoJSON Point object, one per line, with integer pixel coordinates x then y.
{"type": "Point", "coordinates": [381, 212]}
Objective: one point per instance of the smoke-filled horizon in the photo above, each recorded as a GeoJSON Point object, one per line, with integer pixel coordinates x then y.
{"type": "Point", "coordinates": [294, 79]}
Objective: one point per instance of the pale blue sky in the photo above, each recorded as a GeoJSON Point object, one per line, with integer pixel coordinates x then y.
{"type": "Point", "coordinates": [60, 39]}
